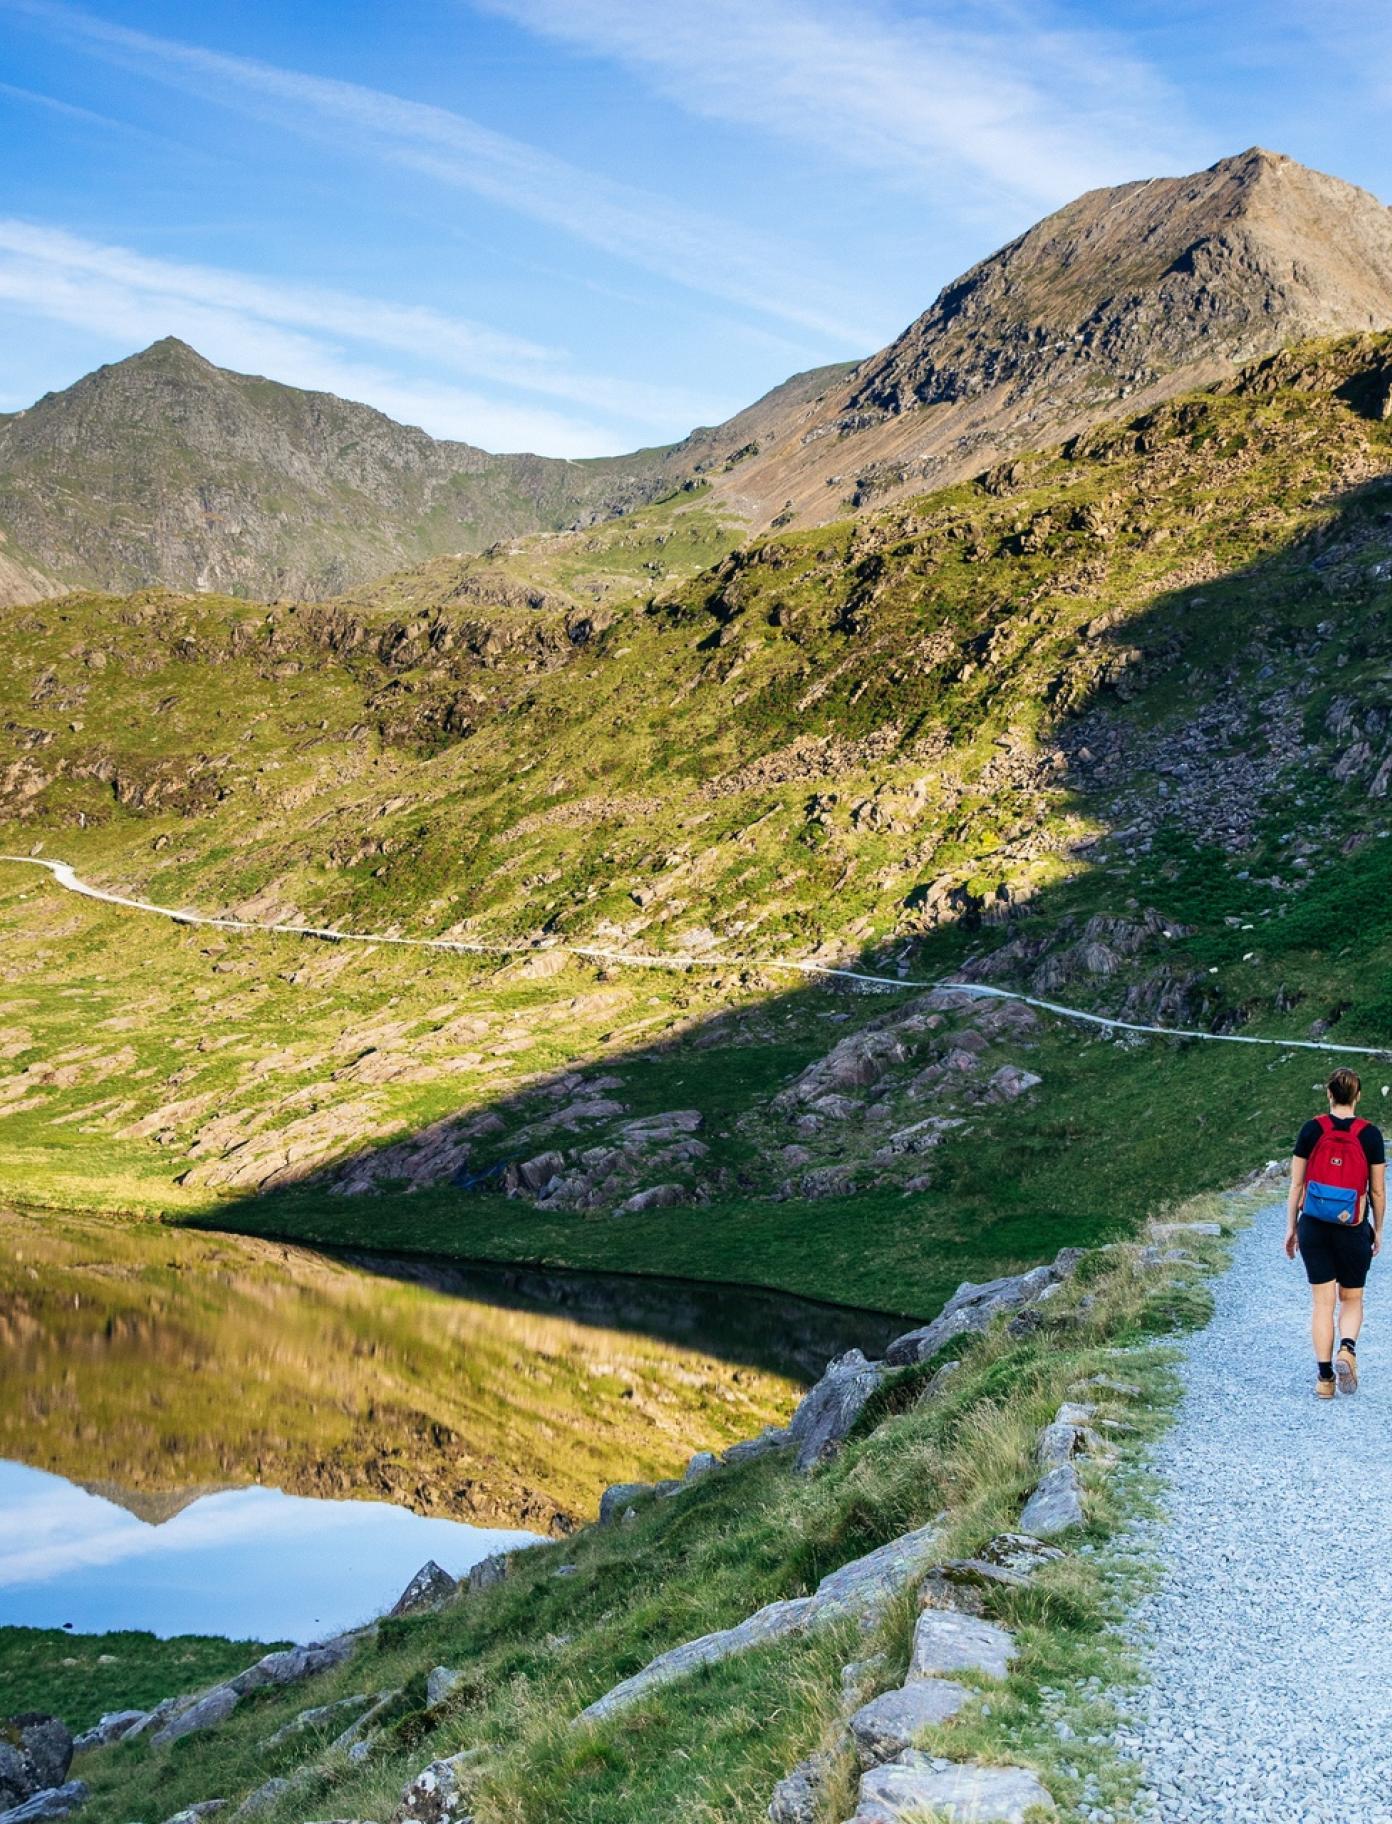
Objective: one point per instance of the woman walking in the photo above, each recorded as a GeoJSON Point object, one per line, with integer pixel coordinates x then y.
{"type": "Point", "coordinates": [1334, 1215]}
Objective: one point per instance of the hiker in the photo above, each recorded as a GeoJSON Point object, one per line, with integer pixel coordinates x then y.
{"type": "Point", "coordinates": [1334, 1215]}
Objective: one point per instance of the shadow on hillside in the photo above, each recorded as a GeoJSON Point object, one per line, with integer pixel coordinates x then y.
{"type": "Point", "coordinates": [1171, 776]}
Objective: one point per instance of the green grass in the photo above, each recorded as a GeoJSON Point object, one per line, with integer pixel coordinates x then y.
{"type": "Point", "coordinates": [81, 1676]}
{"type": "Point", "coordinates": [538, 1648]}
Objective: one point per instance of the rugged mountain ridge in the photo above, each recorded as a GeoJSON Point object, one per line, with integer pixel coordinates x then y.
{"type": "Point", "coordinates": [164, 470]}
{"type": "Point", "coordinates": [1129, 294]}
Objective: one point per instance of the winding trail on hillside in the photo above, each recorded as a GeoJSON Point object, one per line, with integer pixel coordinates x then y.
{"type": "Point", "coordinates": [65, 876]}
{"type": "Point", "coordinates": [1267, 1640]}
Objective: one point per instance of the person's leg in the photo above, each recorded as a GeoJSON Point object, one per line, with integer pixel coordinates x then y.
{"type": "Point", "coordinates": [1350, 1313]}
{"type": "Point", "coordinates": [1322, 1320]}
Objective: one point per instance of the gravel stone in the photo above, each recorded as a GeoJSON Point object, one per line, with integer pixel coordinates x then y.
{"type": "Point", "coordinates": [1266, 1639]}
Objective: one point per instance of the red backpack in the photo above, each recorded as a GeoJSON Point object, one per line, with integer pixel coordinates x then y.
{"type": "Point", "coordinates": [1336, 1174]}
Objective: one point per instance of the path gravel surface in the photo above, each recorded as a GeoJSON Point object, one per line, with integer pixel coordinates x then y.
{"type": "Point", "coordinates": [1269, 1639]}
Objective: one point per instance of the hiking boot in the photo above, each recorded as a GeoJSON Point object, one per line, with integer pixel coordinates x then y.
{"type": "Point", "coordinates": [1346, 1368]}
{"type": "Point", "coordinates": [1324, 1389]}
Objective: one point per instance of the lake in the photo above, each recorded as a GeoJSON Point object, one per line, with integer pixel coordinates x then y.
{"type": "Point", "coordinates": [212, 1434]}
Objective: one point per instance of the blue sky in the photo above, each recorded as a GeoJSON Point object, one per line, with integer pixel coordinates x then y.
{"type": "Point", "coordinates": [580, 226]}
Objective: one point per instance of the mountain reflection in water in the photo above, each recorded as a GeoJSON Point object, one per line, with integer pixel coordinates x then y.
{"type": "Point", "coordinates": [151, 1365]}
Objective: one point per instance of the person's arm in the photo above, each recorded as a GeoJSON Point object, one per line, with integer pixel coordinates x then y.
{"type": "Point", "coordinates": [1295, 1196]}
{"type": "Point", "coordinates": [1377, 1201]}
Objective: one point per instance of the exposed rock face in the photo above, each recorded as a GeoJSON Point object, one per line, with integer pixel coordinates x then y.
{"type": "Point", "coordinates": [35, 1754]}
{"type": "Point", "coordinates": [832, 1407]}
{"type": "Point", "coordinates": [945, 1642]}
{"type": "Point", "coordinates": [1136, 292]}
{"type": "Point", "coordinates": [427, 1590]}
{"type": "Point", "coordinates": [1056, 1504]}
{"type": "Point", "coordinates": [973, 1307]}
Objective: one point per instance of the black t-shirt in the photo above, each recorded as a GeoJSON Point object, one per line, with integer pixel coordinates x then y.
{"type": "Point", "coordinates": [1370, 1139]}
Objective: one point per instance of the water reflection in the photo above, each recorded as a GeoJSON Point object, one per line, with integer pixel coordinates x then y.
{"type": "Point", "coordinates": [152, 1365]}
{"type": "Point", "coordinates": [248, 1562]}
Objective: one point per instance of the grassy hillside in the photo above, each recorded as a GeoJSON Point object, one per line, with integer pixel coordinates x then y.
{"type": "Point", "coordinates": [1108, 724]}
{"type": "Point", "coordinates": [573, 1618]}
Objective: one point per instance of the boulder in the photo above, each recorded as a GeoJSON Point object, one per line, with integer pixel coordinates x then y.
{"type": "Point", "coordinates": [436, 1794]}
{"type": "Point", "coordinates": [489, 1572]}
{"type": "Point", "coordinates": [292, 1664]}
{"type": "Point", "coordinates": [36, 1751]}
{"type": "Point", "coordinates": [439, 1683]}
{"type": "Point", "coordinates": [700, 1465]}
{"type": "Point", "coordinates": [50, 1802]}
{"type": "Point", "coordinates": [913, 1786]}
{"type": "Point", "coordinates": [212, 1708]}
{"type": "Point", "coordinates": [947, 1642]}
{"type": "Point", "coordinates": [1064, 1437]}
{"type": "Point", "coordinates": [110, 1728]}
{"type": "Point", "coordinates": [618, 1497]}
{"type": "Point", "coordinates": [1020, 1555]}
{"type": "Point", "coordinates": [829, 1410]}
{"type": "Point", "coordinates": [891, 1722]}
{"type": "Point", "coordinates": [773, 1437]}
{"type": "Point", "coordinates": [1056, 1504]}
{"type": "Point", "coordinates": [430, 1588]}
{"type": "Point", "coordinates": [866, 1586]}
{"type": "Point", "coordinates": [972, 1308]}
{"type": "Point", "coordinates": [797, 1796]}
{"type": "Point", "coordinates": [320, 1716]}
{"type": "Point", "coordinates": [268, 1794]}
{"type": "Point", "coordinates": [655, 1197]}
{"type": "Point", "coordinates": [153, 1719]}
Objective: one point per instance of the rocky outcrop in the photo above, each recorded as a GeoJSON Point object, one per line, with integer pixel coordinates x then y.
{"type": "Point", "coordinates": [972, 1308]}
{"type": "Point", "coordinates": [35, 1753]}
{"type": "Point", "coordinates": [51, 1802]}
{"type": "Point", "coordinates": [894, 1720]}
{"type": "Point", "coordinates": [860, 1588]}
{"type": "Point", "coordinates": [828, 1412]}
{"type": "Point", "coordinates": [430, 1588]}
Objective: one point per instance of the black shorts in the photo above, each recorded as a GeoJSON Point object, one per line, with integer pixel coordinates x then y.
{"type": "Point", "coordinates": [1332, 1251]}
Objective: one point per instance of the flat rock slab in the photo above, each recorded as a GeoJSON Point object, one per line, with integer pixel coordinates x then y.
{"type": "Point", "coordinates": [52, 1802]}
{"type": "Point", "coordinates": [860, 1589]}
{"type": "Point", "coordinates": [1056, 1504]}
{"type": "Point", "coordinates": [906, 1790]}
{"type": "Point", "coordinates": [890, 1723]}
{"type": "Point", "coordinates": [947, 1642]}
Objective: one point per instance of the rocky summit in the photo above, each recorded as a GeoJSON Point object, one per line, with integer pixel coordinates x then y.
{"type": "Point", "coordinates": [166, 470]}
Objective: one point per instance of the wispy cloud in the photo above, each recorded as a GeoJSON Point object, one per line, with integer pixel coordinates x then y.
{"type": "Point", "coordinates": [326, 340]}
{"type": "Point", "coordinates": [991, 103]}
{"type": "Point", "coordinates": [696, 250]}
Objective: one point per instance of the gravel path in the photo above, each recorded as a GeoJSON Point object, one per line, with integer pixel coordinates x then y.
{"type": "Point", "coordinates": [1269, 1640]}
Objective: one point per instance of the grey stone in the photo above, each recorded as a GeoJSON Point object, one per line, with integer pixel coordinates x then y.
{"type": "Point", "coordinates": [655, 1197]}
{"type": "Point", "coordinates": [865, 1586]}
{"type": "Point", "coordinates": [798, 1795]}
{"type": "Point", "coordinates": [489, 1572]}
{"type": "Point", "coordinates": [773, 1437]}
{"type": "Point", "coordinates": [292, 1664]}
{"type": "Point", "coordinates": [336, 1713]}
{"type": "Point", "coordinates": [973, 1307]}
{"type": "Point", "coordinates": [1056, 1504]}
{"type": "Point", "coordinates": [351, 1742]}
{"type": "Point", "coordinates": [36, 1751]}
{"type": "Point", "coordinates": [829, 1410]}
{"type": "Point", "coordinates": [947, 1642]}
{"type": "Point", "coordinates": [938, 1381]}
{"type": "Point", "coordinates": [910, 1787]}
{"type": "Point", "coordinates": [1011, 1082]}
{"type": "Point", "coordinates": [1021, 1554]}
{"type": "Point", "coordinates": [167, 1707]}
{"type": "Point", "coordinates": [430, 1588]}
{"type": "Point", "coordinates": [700, 1465]}
{"type": "Point", "coordinates": [212, 1708]}
{"type": "Point", "coordinates": [862, 1589]}
{"type": "Point", "coordinates": [619, 1496]}
{"type": "Point", "coordinates": [205, 1808]}
{"type": "Point", "coordinates": [857, 1677]}
{"type": "Point", "coordinates": [49, 1802]}
{"type": "Point", "coordinates": [439, 1683]}
{"type": "Point", "coordinates": [436, 1794]}
{"type": "Point", "coordinates": [889, 1723]}
{"type": "Point", "coordinates": [1064, 1437]}
{"type": "Point", "coordinates": [775, 1621]}
{"type": "Point", "coordinates": [110, 1728]}
{"type": "Point", "coordinates": [269, 1793]}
